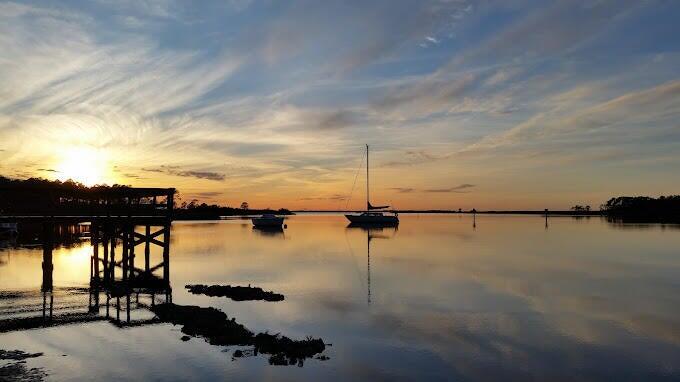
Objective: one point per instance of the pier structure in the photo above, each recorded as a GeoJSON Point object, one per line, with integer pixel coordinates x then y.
{"type": "Point", "coordinates": [125, 226]}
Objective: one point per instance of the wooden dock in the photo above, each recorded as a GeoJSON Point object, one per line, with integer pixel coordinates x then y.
{"type": "Point", "coordinates": [124, 224]}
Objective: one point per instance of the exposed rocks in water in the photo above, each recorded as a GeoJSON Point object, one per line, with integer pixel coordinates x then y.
{"type": "Point", "coordinates": [185, 338]}
{"type": "Point", "coordinates": [17, 369]}
{"type": "Point", "coordinates": [218, 329]}
{"type": "Point", "coordinates": [209, 323]}
{"type": "Point", "coordinates": [17, 355]}
{"type": "Point", "coordinates": [236, 293]}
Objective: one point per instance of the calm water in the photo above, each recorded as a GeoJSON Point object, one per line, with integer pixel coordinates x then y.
{"type": "Point", "coordinates": [506, 300]}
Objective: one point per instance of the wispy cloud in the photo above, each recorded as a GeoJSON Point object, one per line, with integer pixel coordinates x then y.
{"type": "Point", "coordinates": [463, 188]}
{"type": "Point", "coordinates": [659, 104]}
{"type": "Point", "coordinates": [336, 197]}
{"type": "Point", "coordinates": [177, 171]}
{"type": "Point", "coordinates": [403, 190]}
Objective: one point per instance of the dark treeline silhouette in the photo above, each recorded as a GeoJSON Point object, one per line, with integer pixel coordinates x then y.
{"type": "Point", "coordinates": [643, 208]}
{"type": "Point", "coordinates": [38, 196]}
{"type": "Point", "coordinates": [195, 211]}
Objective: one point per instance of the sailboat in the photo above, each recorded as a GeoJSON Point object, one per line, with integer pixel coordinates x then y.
{"type": "Point", "coordinates": [372, 215]}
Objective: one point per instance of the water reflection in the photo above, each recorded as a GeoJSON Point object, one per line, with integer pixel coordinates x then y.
{"type": "Point", "coordinates": [582, 300]}
{"type": "Point", "coordinates": [372, 232]}
{"type": "Point", "coordinates": [22, 310]}
{"type": "Point", "coordinates": [269, 231]}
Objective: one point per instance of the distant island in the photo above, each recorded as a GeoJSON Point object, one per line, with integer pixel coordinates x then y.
{"type": "Point", "coordinates": [474, 211]}
{"type": "Point", "coordinates": [643, 208]}
{"type": "Point", "coordinates": [195, 211]}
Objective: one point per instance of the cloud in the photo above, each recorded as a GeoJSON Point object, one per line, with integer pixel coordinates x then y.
{"type": "Point", "coordinates": [337, 119]}
{"type": "Point", "coordinates": [283, 102]}
{"type": "Point", "coordinates": [205, 194]}
{"type": "Point", "coordinates": [331, 197]}
{"type": "Point", "coordinates": [425, 97]}
{"type": "Point", "coordinates": [351, 38]}
{"type": "Point", "coordinates": [556, 28]}
{"type": "Point", "coordinates": [176, 171]}
{"type": "Point", "coordinates": [456, 189]}
{"type": "Point", "coordinates": [403, 190]}
{"type": "Point", "coordinates": [659, 105]}
{"type": "Point", "coordinates": [432, 39]}
{"type": "Point", "coordinates": [415, 157]}
{"type": "Point", "coordinates": [133, 176]}
{"type": "Point", "coordinates": [47, 170]}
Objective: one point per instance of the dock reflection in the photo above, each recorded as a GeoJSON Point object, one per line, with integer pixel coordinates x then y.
{"type": "Point", "coordinates": [123, 298]}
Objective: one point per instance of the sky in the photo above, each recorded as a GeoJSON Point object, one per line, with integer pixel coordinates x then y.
{"type": "Point", "coordinates": [465, 104]}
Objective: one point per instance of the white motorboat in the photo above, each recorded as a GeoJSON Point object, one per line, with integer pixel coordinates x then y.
{"type": "Point", "coordinates": [371, 216]}
{"type": "Point", "coordinates": [268, 220]}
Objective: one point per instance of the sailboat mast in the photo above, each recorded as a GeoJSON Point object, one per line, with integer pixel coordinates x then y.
{"type": "Point", "coordinates": [368, 203]}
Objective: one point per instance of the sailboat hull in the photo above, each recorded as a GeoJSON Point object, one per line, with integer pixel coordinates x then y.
{"type": "Point", "coordinates": [373, 220]}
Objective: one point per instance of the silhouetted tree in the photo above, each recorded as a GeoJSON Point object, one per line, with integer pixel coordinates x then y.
{"type": "Point", "coordinates": [644, 207]}
{"type": "Point", "coordinates": [244, 205]}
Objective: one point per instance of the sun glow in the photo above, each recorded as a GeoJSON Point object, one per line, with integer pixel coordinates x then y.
{"type": "Point", "coordinates": [85, 165]}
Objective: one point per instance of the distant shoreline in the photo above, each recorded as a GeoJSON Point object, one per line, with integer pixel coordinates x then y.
{"type": "Point", "coordinates": [565, 213]}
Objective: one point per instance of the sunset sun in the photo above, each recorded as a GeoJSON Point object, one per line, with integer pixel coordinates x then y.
{"type": "Point", "coordinates": [84, 165]}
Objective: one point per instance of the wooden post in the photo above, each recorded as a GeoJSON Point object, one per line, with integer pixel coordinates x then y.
{"type": "Point", "coordinates": [127, 307]}
{"type": "Point", "coordinates": [47, 266]}
{"type": "Point", "coordinates": [147, 244]}
{"type": "Point", "coordinates": [131, 246]}
{"type": "Point", "coordinates": [94, 238]}
{"type": "Point", "coordinates": [112, 265]}
{"type": "Point", "coordinates": [166, 253]}
{"type": "Point", "coordinates": [105, 245]}
{"type": "Point", "coordinates": [126, 248]}
{"type": "Point", "coordinates": [171, 203]}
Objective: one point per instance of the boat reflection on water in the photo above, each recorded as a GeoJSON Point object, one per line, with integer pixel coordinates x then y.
{"type": "Point", "coordinates": [269, 231]}
{"type": "Point", "coordinates": [372, 232]}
